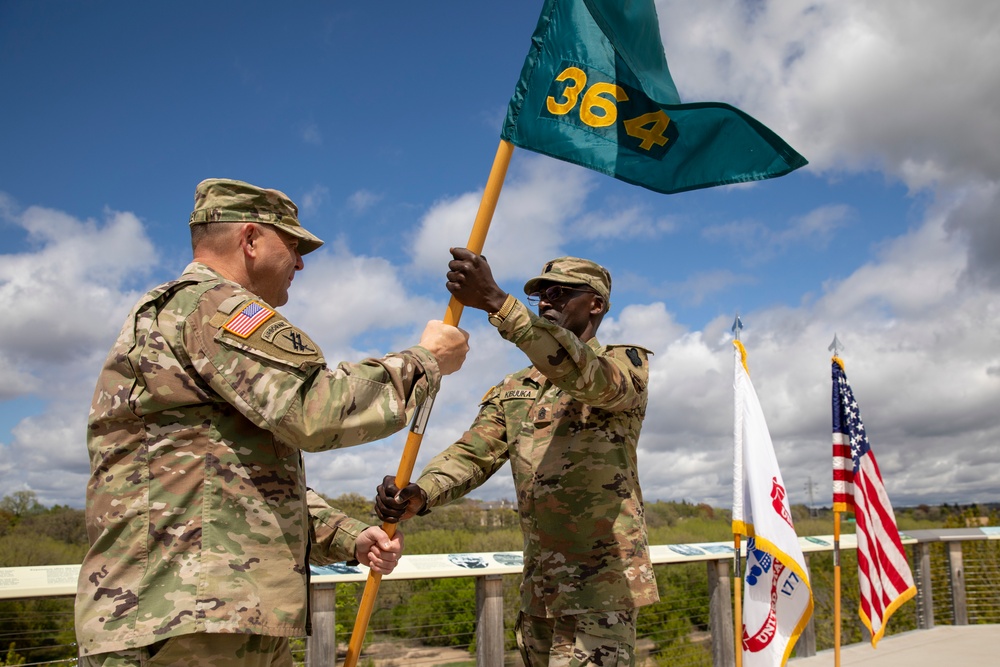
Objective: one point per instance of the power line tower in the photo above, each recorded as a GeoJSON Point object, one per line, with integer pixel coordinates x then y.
{"type": "Point", "coordinates": [810, 486]}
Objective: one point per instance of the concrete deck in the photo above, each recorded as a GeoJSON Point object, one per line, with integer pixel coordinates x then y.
{"type": "Point", "coordinates": [942, 646]}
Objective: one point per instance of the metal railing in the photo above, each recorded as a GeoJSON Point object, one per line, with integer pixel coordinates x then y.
{"type": "Point", "coordinates": [956, 572]}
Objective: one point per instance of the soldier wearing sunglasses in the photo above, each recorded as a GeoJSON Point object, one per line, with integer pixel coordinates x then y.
{"type": "Point", "coordinates": [569, 424]}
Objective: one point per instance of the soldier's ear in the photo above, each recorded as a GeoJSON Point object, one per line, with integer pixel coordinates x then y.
{"type": "Point", "coordinates": [597, 305]}
{"type": "Point", "coordinates": [249, 234]}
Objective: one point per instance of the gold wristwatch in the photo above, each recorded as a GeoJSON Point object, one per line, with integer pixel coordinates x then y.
{"type": "Point", "coordinates": [497, 318]}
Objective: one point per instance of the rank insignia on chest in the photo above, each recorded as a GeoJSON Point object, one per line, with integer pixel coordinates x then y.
{"type": "Point", "coordinates": [247, 321]}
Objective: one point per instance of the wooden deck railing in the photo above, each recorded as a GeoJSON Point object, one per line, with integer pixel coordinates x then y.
{"type": "Point", "coordinates": [952, 589]}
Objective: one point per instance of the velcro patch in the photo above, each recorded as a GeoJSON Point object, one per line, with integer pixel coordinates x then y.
{"type": "Point", "coordinates": [527, 394]}
{"type": "Point", "coordinates": [275, 339]}
{"type": "Point", "coordinates": [292, 340]}
{"type": "Point", "coordinates": [493, 392]}
{"type": "Point", "coordinates": [273, 329]}
{"type": "Point", "coordinates": [248, 320]}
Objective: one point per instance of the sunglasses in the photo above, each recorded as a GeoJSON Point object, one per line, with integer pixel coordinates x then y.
{"type": "Point", "coordinates": [554, 293]}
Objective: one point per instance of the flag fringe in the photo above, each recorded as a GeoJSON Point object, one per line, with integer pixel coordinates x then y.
{"type": "Point", "coordinates": [743, 355]}
{"type": "Point", "coordinates": [905, 596]}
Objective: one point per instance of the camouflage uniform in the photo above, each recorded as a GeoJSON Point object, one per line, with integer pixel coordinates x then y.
{"type": "Point", "coordinates": [592, 639]}
{"type": "Point", "coordinates": [200, 650]}
{"type": "Point", "coordinates": [197, 508]}
{"type": "Point", "coordinates": [569, 425]}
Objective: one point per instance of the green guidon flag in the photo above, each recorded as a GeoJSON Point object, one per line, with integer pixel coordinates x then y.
{"type": "Point", "coordinates": [595, 90]}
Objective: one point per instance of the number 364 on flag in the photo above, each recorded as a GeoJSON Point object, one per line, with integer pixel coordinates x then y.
{"type": "Point", "coordinates": [595, 90]}
{"type": "Point", "coordinates": [582, 95]}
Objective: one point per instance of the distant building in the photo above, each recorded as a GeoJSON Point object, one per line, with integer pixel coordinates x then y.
{"type": "Point", "coordinates": [497, 513]}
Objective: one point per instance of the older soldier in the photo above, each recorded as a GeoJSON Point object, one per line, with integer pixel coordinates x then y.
{"type": "Point", "coordinates": [201, 524]}
{"type": "Point", "coordinates": [569, 426]}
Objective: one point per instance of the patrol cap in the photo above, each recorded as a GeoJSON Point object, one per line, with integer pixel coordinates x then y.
{"type": "Point", "coordinates": [226, 200]}
{"type": "Point", "coordinates": [574, 271]}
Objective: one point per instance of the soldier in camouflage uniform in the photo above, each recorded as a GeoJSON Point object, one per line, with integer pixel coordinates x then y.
{"type": "Point", "coordinates": [568, 424]}
{"type": "Point", "coordinates": [200, 521]}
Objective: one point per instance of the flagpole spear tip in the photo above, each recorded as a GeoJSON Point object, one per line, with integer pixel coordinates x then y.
{"type": "Point", "coordinates": [836, 346]}
{"type": "Point", "coordinates": [737, 325]}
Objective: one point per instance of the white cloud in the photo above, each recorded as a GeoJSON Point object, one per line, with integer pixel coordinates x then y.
{"type": "Point", "coordinates": [341, 296]}
{"type": "Point", "coordinates": [763, 241]}
{"type": "Point", "coordinates": [920, 344]}
{"type": "Point", "coordinates": [311, 134]}
{"type": "Point", "coordinates": [889, 89]}
{"type": "Point", "coordinates": [920, 352]}
{"type": "Point", "coordinates": [313, 199]}
{"type": "Point", "coordinates": [648, 325]}
{"type": "Point", "coordinates": [68, 296]}
{"type": "Point", "coordinates": [540, 195]}
{"type": "Point", "coordinates": [49, 453]}
{"type": "Point", "coordinates": [851, 85]}
{"type": "Point", "coordinates": [14, 380]}
{"type": "Point", "coordinates": [363, 200]}
{"type": "Point", "coordinates": [693, 290]}
{"type": "Point", "coordinates": [974, 219]}
{"type": "Point", "coordinates": [628, 222]}
{"type": "Point", "coordinates": [66, 299]}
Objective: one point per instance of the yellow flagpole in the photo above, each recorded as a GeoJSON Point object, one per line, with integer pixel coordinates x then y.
{"type": "Point", "coordinates": [477, 239]}
{"type": "Point", "coordinates": [836, 589]}
{"type": "Point", "coordinates": [737, 534]}
{"type": "Point", "coordinates": [836, 346]}
{"type": "Point", "coordinates": [738, 603]}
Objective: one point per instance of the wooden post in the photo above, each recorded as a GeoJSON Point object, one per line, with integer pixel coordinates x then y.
{"type": "Point", "coordinates": [321, 647]}
{"type": "Point", "coordinates": [959, 610]}
{"type": "Point", "coordinates": [922, 556]}
{"type": "Point", "coordinates": [489, 621]}
{"type": "Point", "coordinates": [720, 613]}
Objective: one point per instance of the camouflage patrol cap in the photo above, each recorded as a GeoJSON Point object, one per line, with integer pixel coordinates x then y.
{"type": "Point", "coordinates": [226, 200]}
{"type": "Point", "coordinates": [574, 271]}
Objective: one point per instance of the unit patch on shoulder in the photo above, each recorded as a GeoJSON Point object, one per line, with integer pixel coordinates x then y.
{"type": "Point", "coordinates": [275, 339]}
{"type": "Point", "coordinates": [292, 340]}
{"type": "Point", "coordinates": [248, 320]}
{"type": "Point", "coordinates": [273, 329]}
{"type": "Point", "coordinates": [633, 356]}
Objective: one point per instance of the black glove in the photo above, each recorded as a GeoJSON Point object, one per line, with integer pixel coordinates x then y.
{"type": "Point", "coordinates": [393, 505]}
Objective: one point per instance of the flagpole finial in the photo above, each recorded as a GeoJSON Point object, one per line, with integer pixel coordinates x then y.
{"type": "Point", "coordinates": [836, 346]}
{"type": "Point", "coordinates": [737, 325]}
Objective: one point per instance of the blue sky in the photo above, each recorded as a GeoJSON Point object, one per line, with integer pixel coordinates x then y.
{"type": "Point", "coordinates": [382, 123]}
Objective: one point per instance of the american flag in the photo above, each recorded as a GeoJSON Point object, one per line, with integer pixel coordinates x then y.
{"type": "Point", "coordinates": [883, 574]}
{"type": "Point", "coordinates": [247, 320]}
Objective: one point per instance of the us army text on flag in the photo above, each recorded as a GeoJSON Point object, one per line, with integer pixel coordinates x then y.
{"type": "Point", "coordinates": [777, 596]}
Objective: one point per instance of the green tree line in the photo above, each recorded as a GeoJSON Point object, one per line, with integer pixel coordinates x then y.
{"type": "Point", "coordinates": [442, 611]}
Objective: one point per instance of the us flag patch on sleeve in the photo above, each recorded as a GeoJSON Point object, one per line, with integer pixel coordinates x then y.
{"type": "Point", "coordinates": [248, 319]}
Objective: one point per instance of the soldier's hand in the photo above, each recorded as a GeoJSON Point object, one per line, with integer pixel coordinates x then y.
{"type": "Point", "coordinates": [448, 344]}
{"type": "Point", "coordinates": [393, 505]}
{"type": "Point", "coordinates": [470, 280]}
{"type": "Point", "coordinates": [377, 550]}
